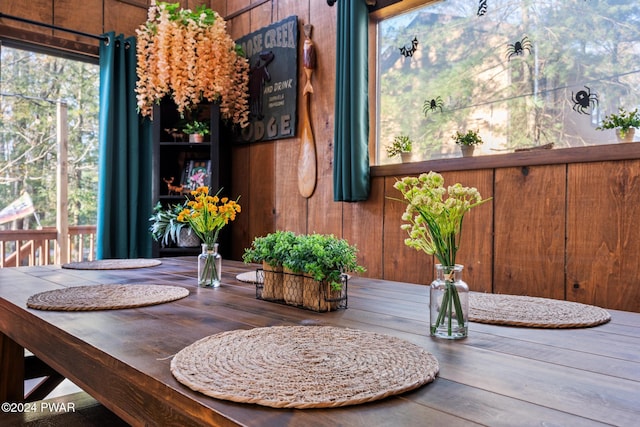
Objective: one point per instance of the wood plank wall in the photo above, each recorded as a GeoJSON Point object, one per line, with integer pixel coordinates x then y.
{"type": "Point", "coordinates": [566, 230]}
{"type": "Point", "coordinates": [265, 174]}
{"type": "Point", "coordinates": [87, 16]}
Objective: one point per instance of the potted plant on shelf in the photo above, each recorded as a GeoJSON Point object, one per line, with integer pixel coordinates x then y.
{"type": "Point", "coordinates": [167, 230]}
{"type": "Point", "coordinates": [401, 146]}
{"type": "Point", "coordinates": [196, 130]}
{"type": "Point", "coordinates": [624, 122]}
{"type": "Point", "coordinates": [467, 141]}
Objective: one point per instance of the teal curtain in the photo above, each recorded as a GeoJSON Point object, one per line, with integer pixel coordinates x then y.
{"type": "Point", "coordinates": [351, 145]}
{"type": "Point", "coordinates": [125, 156]}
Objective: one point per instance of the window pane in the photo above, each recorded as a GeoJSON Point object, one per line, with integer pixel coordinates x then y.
{"type": "Point", "coordinates": [523, 74]}
{"type": "Point", "coordinates": [30, 85]}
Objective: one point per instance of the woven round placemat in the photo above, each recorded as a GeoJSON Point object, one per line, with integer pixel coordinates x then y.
{"type": "Point", "coordinates": [112, 264]}
{"type": "Point", "coordinates": [303, 366]}
{"type": "Point", "coordinates": [249, 277]}
{"type": "Point", "coordinates": [105, 297]}
{"type": "Point", "coordinates": [536, 312]}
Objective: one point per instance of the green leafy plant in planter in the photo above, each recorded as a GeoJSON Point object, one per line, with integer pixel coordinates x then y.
{"type": "Point", "coordinates": [303, 252]}
{"type": "Point", "coordinates": [401, 144]}
{"type": "Point", "coordinates": [284, 242]}
{"type": "Point", "coordinates": [165, 227]}
{"type": "Point", "coordinates": [295, 258]}
{"type": "Point", "coordinates": [320, 260]}
{"type": "Point", "coordinates": [624, 122]}
{"type": "Point", "coordinates": [271, 250]}
{"type": "Point", "coordinates": [325, 258]}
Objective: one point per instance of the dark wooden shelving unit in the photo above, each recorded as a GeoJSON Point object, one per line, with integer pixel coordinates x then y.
{"type": "Point", "coordinates": [171, 155]}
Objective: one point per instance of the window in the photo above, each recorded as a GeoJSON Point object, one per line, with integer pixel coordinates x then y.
{"type": "Point", "coordinates": [521, 73]}
{"type": "Point", "coordinates": [30, 85]}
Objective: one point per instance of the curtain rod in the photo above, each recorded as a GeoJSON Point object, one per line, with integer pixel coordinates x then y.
{"type": "Point", "coordinates": [53, 27]}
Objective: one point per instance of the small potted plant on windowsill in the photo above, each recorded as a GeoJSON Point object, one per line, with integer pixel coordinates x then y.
{"type": "Point", "coordinates": [196, 131]}
{"type": "Point", "coordinates": [624, 122]}
{"type": "Point", "coordinates": [401, 146]}
{"type": "Point", "coordinates": [467, 141]}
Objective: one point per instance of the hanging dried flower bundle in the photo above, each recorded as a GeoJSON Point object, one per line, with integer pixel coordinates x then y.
{"type": "Point", "coordinates": [190, 57]}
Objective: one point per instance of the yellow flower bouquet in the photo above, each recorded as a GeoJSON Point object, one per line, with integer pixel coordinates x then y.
{"type": "Point", "coordinates": [207, 215]}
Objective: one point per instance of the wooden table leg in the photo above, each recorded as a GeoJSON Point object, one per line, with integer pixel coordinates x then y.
{"type": "Point", "coordinates": [11, 370]}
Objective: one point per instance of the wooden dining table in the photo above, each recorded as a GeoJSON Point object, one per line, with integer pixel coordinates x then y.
{"type": "Point", "coordinates": [497, 376]}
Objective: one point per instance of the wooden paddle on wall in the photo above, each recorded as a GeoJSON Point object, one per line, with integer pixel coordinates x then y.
{"type": "Point", "coordinates": [307, 162]}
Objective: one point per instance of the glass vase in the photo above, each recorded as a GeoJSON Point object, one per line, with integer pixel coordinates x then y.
{"type": "Point", "coordinates": [209, 267]}
{"type": "Point", "coordinates": [449, 303]}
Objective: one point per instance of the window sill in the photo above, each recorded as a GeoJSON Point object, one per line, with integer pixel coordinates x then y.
{"type": "Point", "coordinates": [597, 153]}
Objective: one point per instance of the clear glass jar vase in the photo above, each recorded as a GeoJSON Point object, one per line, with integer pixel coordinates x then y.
{"type": "Point", "coordinates": [209, 267]}
{"type": "Point", "coordinates": [449, 303]}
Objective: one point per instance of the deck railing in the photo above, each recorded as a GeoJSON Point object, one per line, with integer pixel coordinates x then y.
{"type": "Point", "coordinates": [40, 247]}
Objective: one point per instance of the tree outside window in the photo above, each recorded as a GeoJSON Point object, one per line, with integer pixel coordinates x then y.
{"type": "Point", "coordinates": [30, 84]}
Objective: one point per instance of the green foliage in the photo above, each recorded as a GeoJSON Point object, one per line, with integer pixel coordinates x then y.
{"type": "Point", "coordinates": [623, 120]}
{"type": "Point", "coordinates": [165, 227]}
{"type": "Point", "coordinates": [203, 14]}
{"type": "Point", "coordinates": [323, 257]}
{"type": "Point", "coordinates": [401, 144]}
{"type": "Point", "coordinates": [304, 251]}
{"type": "Point", "coordinates": [272, 248]}
{"type": "Point", "coordinates": [196, 127]}
{"type": "Point", "coordinates": [327, 258]}
{"type": "Point", "coordinates": [282, 248]}
{"type": "Point", "coordinates": [469, 138]}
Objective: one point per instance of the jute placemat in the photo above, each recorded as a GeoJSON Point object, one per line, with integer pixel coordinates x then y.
{"type": "Point", "coordinates": [105, 297]}
{"type": "Point", "coordinates": [303, 366]}
{"type": "Point", "coordinates": [249, 277]}
{"type": "Point", "coordinates": [536, 312]}
{"type": "Point", "coordinates": [112, 264]}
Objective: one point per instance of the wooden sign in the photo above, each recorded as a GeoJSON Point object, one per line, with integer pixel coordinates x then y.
{"type": "Point", "coordinates": [273, 81]}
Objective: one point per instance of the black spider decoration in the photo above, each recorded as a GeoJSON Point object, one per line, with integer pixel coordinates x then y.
{"type": "Point", "coordinates": [583, 100]}
{"type": "Point", "coordinates": [482, 7]}
{"type": "Point", "coordinates": [409, 51]}
{"type": "Point", "coordinates": [518, 48]}
{"type": "Point", "coordinates": [432, 105]}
